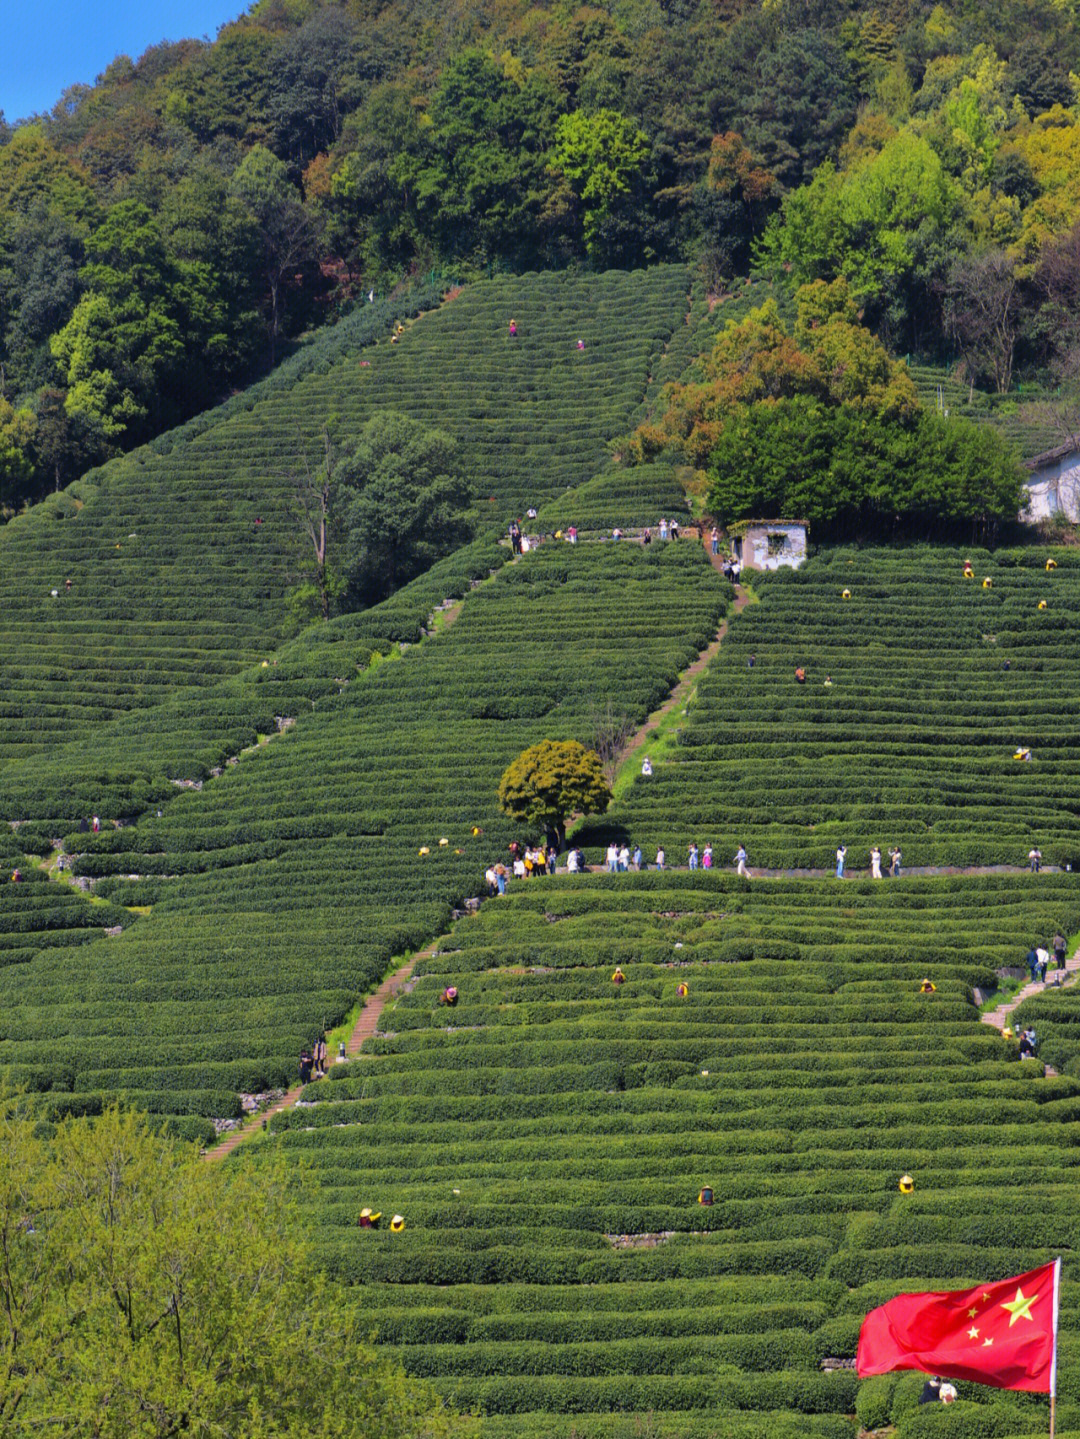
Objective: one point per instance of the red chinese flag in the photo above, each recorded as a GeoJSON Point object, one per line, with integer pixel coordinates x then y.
{"type": "Point", "coordinates": [1004, 1334]}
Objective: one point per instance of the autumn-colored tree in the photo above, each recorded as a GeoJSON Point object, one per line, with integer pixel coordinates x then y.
{"type": "Point", "coordinates": [830, 356]}
{"type": "Point", "coordinates": [551, 781]}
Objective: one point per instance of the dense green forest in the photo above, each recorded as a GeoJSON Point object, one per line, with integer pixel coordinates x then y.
{"type": "Point", "coordinates": [165, 233]}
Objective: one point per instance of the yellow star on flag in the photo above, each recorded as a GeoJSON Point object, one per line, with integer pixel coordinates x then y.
{"type": "Point", "coordinates": [973, 1333]}
{"type": "Point", "coordinates": [972, 1313]}
{"type": "Point", "coordinates": [987, 1343]}
{"type": "Point", "coordinates": [1020, 1308]}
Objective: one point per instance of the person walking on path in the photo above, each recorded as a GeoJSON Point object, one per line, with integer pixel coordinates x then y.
{"type": "Point", "coordinates": [1031, 959]}
{"type": "Point", "coordinates": [740, 861]}
{"type": "Point", "coordinates": [661, 858]}
{"type": "Point", "coordinates": [1059, 946]}
{"type": "Point", "coordinates": [612, 858]}
{"type": "Point", "coordinates": [636, 858]}
{"type": "Point", "coordinates": [894, 862]}
{"type": "Point", "coordinates": [1034, 859]}
{"type": "Point", "coordinates": [692, 861]}
{"type": "Point", "coordinates": [714, 540]}
{"type": "Point", "coordinates": [706, 857]}
{"type": "Point", "coordinates": [875, 863]}
{"type": "Point", "coordinates": [841, 855]}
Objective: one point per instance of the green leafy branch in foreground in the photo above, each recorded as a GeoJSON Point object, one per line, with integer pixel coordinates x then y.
{"type": "Point", "coordinates": [144, 1292]}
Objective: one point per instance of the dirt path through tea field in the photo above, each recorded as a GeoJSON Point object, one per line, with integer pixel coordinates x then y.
{"type": "Point", "coordinates": [366, 1025]}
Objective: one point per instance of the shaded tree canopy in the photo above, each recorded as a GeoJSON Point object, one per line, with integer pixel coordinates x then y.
{"type": "Point", "coordinates": [852, 474]}
{"type": "Point", "coordinates": [398, 502]}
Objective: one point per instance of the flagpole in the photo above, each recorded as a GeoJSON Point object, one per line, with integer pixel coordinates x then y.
{"type": "Point", "coordinates": [1053, 1358]}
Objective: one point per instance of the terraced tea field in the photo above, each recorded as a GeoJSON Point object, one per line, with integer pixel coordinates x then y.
{"type": "Point", "coordinates": [282, 888]}
{"type": "Point", "coordinates": [180, 555]}
{"type": "Point", "coordinates": [283, 821]}
{"type": "Point", "coordinates": [547, 1139]}
{"type": "Point", "coordinates": [936, 682]}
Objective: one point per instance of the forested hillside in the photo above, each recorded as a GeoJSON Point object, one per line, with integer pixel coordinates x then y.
{"type": "Point", "coordinates": [167, 232]}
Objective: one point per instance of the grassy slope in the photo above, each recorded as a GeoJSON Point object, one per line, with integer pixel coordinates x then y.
{"type": "Point", "coordinates": [560, 1108]}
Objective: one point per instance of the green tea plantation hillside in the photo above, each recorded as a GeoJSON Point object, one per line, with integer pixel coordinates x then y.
{"type": "Point", "coordinates": [282, 885]}
{"type": "Point", "coordinates": [547, 1140]}
{"type": "Point", "coordinates": [284, 821]}
{"type": "Point", "coordinates": [920, 688]}
{"type": "Point", "coordinates": [179, 556]}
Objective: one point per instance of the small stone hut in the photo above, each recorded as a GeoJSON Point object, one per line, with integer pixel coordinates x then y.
{"type": "Point", "coordinates": [1054, 486]}
{"type": "Point", "coordinates": [769, 544]}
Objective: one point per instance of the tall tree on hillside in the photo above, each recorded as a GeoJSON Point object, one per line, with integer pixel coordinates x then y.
{"type": "Point", "coordinates": [284, 228]}
{"type": "Point", "coordinates": [124, 336]}
{"type": "Point", "coordinates": [477, 173]}
{"type": "Point", "coordinates": [311, 492]}
{"type": "Point", "coordinates": [603, 157]}
{"type": "Point", "coordinates": [551, 781]}
{"type": "Point", "coordinates": [398, 503]}
{"type": "Point", "coordinates": [305, 104]}
{"type": "Point", "coordinates": [983, 313]}
{"type": "Point", "coordinates": [371, 208]}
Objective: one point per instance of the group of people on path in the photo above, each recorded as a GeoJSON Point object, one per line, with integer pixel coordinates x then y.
{"type": "Point", "coordinates": [620, 858]}
{"type": "Point", "coordinates": [895, 859]}
{"type": "Point", "coordinates": [527, 861]}
{"type": "Point", "coordinates": [1038, 959]}
{"type": "Point", "coordinates": [522, 542]}
{"type": "Point", "coordinates": [313, 1060]}
{"type": "Point", "coordinates": [703, 858]}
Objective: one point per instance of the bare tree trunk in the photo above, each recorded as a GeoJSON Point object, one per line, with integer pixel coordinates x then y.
{"type": "Point", "coordinates": [312, 489]}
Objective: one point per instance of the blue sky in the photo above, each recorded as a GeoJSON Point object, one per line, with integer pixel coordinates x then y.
{"type": "Point", "coordinates": [51, 44]}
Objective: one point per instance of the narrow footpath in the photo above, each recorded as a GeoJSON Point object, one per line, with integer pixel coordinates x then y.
{"type": "Point", "coordinates": [687, 681]}
{"type": "Point", "coordinates": [998, 1017]}
{"type": "Point", "coordinates": [366, 1025]}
